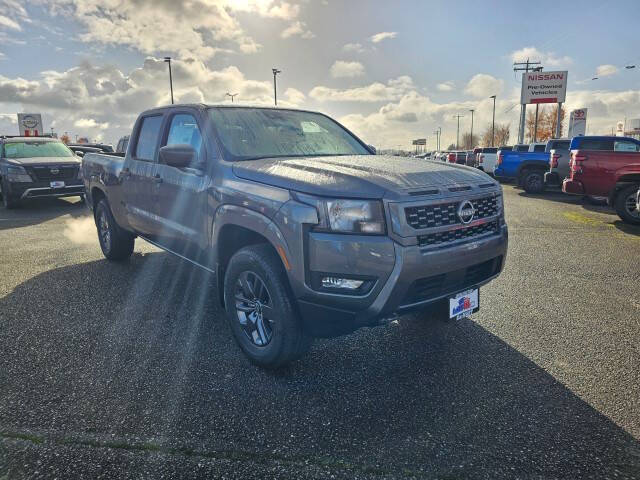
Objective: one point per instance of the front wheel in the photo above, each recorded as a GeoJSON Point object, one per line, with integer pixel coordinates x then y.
{"type": "Point", "coordinates": [260, 309]}
{"type": "Point", "coordinates": [625, 205]}
{"type": "Point", "coordinates": [116, 243]}
{"type": "Point", "coordinates": [7, 200]}
{"type": "Point", "coordinates": [533, 181]}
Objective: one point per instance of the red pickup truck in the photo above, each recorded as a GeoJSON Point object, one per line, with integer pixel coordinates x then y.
{"type": "Point", "coordinates": [608, 167]}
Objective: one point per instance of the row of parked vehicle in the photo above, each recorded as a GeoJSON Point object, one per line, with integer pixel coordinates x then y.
{"type": "Point", "coordinates": [604, 169]}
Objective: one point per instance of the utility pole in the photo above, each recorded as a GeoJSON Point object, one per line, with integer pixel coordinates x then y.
{"type": "Point", "coordinates": [525, 67]}
{"type": "Point", "coordinates": [472, 110]}
{"type": "Point", "coordinates": [275, 94]}
{"type": "Point", "coordinates": [168, 60]}
{"type": "Point", "coordinates": [437, 134]}
{"type": "Point", "coordinates": [232, 95]}
{"type": "Point", "coordinates": [493, 122]}
{"type": "Point", "coordinates": [439, 138]}
{"type": "Point", "coordinates": [458, 130]}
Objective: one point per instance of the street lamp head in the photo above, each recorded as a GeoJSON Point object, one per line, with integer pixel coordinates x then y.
{"type": "Point", "coordinates": [594, 78]}
{"type": "Point", "coordinates": [276, 71]}
{"type": "Point", "coordinates": [167, 59]}
{"type": "Point", "coordinates": [493, 96]}
{"type": "Point", "coordinates": [629, 67]}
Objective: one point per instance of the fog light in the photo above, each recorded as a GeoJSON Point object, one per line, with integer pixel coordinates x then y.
{"type": "Point", "coordinates": [335, 282]}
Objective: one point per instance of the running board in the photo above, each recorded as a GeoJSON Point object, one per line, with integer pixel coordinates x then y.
{"type": "Point", "coordinates": [168, 250]}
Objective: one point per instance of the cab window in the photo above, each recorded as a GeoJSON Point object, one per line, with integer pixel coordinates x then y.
{"type": "Point", "coordinates": [626, 146]}
{"type": "Point", "coordinates": [184, 131]}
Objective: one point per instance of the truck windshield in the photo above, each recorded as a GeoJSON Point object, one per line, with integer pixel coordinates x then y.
{"type": "Point", "coordinates": [252, 133]}
{"type": "Point", "coordinates": [31, 149]}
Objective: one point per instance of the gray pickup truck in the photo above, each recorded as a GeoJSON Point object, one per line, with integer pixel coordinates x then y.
{"type": "Point", "coordinates": [308, 233]}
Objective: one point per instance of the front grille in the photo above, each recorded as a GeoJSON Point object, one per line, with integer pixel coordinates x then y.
{"type": "Point", "coordinates": [443, 214]}
{"type": "Point", "coordinates": [53, 172]}
{"type": "Point", "coordinates": [452, 282]}
{"type": "Point", "coordinates": [434, 239]}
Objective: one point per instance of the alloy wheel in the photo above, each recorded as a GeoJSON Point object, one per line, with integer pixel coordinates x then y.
{"type": "Point", "coordinates": [254, 308]}
{"type": "Point", "coordinates": [104, 230]}
{"type": "Point", "coordinates": [631, 206]}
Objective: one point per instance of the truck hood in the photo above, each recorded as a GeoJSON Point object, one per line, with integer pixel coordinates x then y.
{"type": "Point", "coordinates": [358, 176]}
{"type": "Point", "coordinates": [44, 161]}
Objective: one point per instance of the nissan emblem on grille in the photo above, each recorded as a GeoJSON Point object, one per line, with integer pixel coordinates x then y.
{"type": "Point", "coordinates": [466, 212]}
{"type": "Point", "coordinates": [54, 171]}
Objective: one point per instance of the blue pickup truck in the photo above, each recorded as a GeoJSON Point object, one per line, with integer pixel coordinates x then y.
{"type": "Point", "coordinates": [527, 168]}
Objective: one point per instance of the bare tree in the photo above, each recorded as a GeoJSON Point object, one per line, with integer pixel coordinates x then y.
{"type": "Point", "coordinates": [547, 120]}
{"type": "Point", "coordinates": [501, 136]}
{"type": "Point", "coordinates": [466, 143]}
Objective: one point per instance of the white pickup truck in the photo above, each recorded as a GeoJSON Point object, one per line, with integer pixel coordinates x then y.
{"type": "Point", "coordinates": [486, 159]}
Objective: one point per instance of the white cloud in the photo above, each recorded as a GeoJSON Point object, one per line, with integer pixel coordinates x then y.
{"type": "Point", "coordinates": [90, 123]}
{"type": "Point", "coordinates": [483, 85]}
{"type": "Point", "coordinates": [294, 96]}
{"type": "Point", "coordinates": [548, 59]}
{"type": "Point", "coordinates": [353, 48]}
{"type": "Point", "coordinates": [341, 69]}
{"type": "Point", "coordinates": [379, 37]}
{"type": "Point", "coordinates": [446, 86]}
{"type": "Point", "coordinates": [606, 70]}
{"type": "Point", "coordinates": [7, 22]}
{"type": "Point", "coordinates": [194, 29]}
{"type": "Point", "coordinates": [375, 92]}
{"type": "Point", "coordinates": [297, 28]}
{"type": "Point", "coordinates": [93, 100]}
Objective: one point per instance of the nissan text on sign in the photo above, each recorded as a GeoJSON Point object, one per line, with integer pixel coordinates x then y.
{"type": "Point", "coordinates": [544, 87]}
{"type": "Point", "coordinates": [30, 124]}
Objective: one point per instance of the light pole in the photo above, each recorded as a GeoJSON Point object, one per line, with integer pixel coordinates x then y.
{"type": "Point", "coordinates": [458, 130]}
{"type": "Point", "coordinates": [168, 60]}
{"type": "Point", "coordinates": [231, 95]}
{"type": "Point", "coordinates": [275, 92]}
{"type": "Point", "coordinates": [439, 138]}
{"type": "Point", "coordinates": [493, 121]}
{"type": "Point", "coordinates": [472, 110]}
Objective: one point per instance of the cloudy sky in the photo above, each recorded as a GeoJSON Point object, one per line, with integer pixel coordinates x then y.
{"type": "Point", "coordinates": [391, 71]}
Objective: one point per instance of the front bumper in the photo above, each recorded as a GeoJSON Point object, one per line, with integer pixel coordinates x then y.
{"type": "Point", "coordinates": [408, 278]}
{"type": "Point", "coordinates": [22, 191]}
{"type": "Point", "coordinates": [552, 178]}
{"type": "Point", "coordinates": [573, 187]}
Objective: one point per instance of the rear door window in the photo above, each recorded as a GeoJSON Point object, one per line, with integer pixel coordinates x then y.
{"type": "Point", "coordinates": [148, 138]}
{"type": "Point", "coordinates": [625, 146]}
{"type": "Point", "coordinates": [595, 144]}
{"type": "Point", "coordinates": [539, 148]}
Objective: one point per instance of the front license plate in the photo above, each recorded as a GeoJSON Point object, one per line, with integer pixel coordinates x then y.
{"type": "Point", "coordinates": [57, 184]}
{"type": "Point", "coordinates": [461, 305]}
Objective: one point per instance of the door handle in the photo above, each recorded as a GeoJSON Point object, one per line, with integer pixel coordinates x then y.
{"type": "Point", "coordinates": [126, 172]}
{"type": "Point", "coordinates": [157, 178]}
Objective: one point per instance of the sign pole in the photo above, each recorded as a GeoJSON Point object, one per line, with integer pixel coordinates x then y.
{"type": "Point", "coordinates": [558, 130]}
{"type": "Point", "coordinates": [535, 127]}
{"type": "Point", "coordinates": [523, 112]}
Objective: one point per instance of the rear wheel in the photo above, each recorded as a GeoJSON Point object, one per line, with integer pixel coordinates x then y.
{"type": "Point", "coordinates": [533, 181]}
{"type": "Point", "coordinates": [625, 205]}
{"type": "Point", "coordinates": [261, 310]}
{"type": "Point", "coordinates": [116, 243]}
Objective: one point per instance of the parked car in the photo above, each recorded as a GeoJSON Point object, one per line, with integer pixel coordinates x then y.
{"type": "Point", "coordinates": [81, 150]}
{"type": "Point", "coordinates": [290, 210]}
{"type": "Point", "coordinates": [527, 168]}
{"type": "Point", "coordinates": [470, 161]}
{"type": "Point", "coordinates": [122, 144]}
{"type": "Point", "coordinates": [457, 156]}
{"type": "Point", "coordinates": [33, 167]}
{"type": "Point", "coordinates": [609, 167]}
{"type": "Point", "coordinates": [559, 157]}
{"type": "Point", "coordinates": [486, 159]}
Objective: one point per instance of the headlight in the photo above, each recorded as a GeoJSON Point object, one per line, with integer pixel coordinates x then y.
{"type": "Point", "coordinates": [18, 174]}
{"type": "Point", "coordinates": [348, 216]}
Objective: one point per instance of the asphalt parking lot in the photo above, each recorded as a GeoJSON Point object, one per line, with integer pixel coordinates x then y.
{"type": "Point", "coordinates": [130, 371]}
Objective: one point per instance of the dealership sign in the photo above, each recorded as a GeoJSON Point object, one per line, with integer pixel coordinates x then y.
{"type": "Point", "coordinates": [420, 141]}
{"type": "Point", "coordinates": [543, 87]}
{"type": "Point", "coordinates": [578, 122]}
{"type": "Point", "coordinates": [30, 124]}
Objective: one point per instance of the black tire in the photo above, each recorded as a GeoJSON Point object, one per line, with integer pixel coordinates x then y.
{"type": "Point", "coordinates": [533, 181]}
{"type": "Point", "coordinates": [625, 205]}
{"type": "Point", "coordinates": [596, 200]}
{"type": "Point", "coordinates": [269, 343]}
{"type": "Point", "coordinates": [116, 243]}
{"type": "Point", "coordinates": [8, 202]}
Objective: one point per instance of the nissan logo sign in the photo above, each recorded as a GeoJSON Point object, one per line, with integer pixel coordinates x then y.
{"type": "Point", "coordinates": [54, 171]}
{"type": "Point", "coordinates": [466, 212]}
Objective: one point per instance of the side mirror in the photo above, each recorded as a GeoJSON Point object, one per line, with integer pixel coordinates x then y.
{"type": "Point", "coordinates": [79, 153]}
{"type": "Point", "coordinates": [179, 156]}
{"type": "Point", "coordinates": [373, 149]}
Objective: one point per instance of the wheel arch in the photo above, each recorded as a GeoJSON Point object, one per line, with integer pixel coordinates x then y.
{"type": "Point", "coordinates": [237, 227]}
